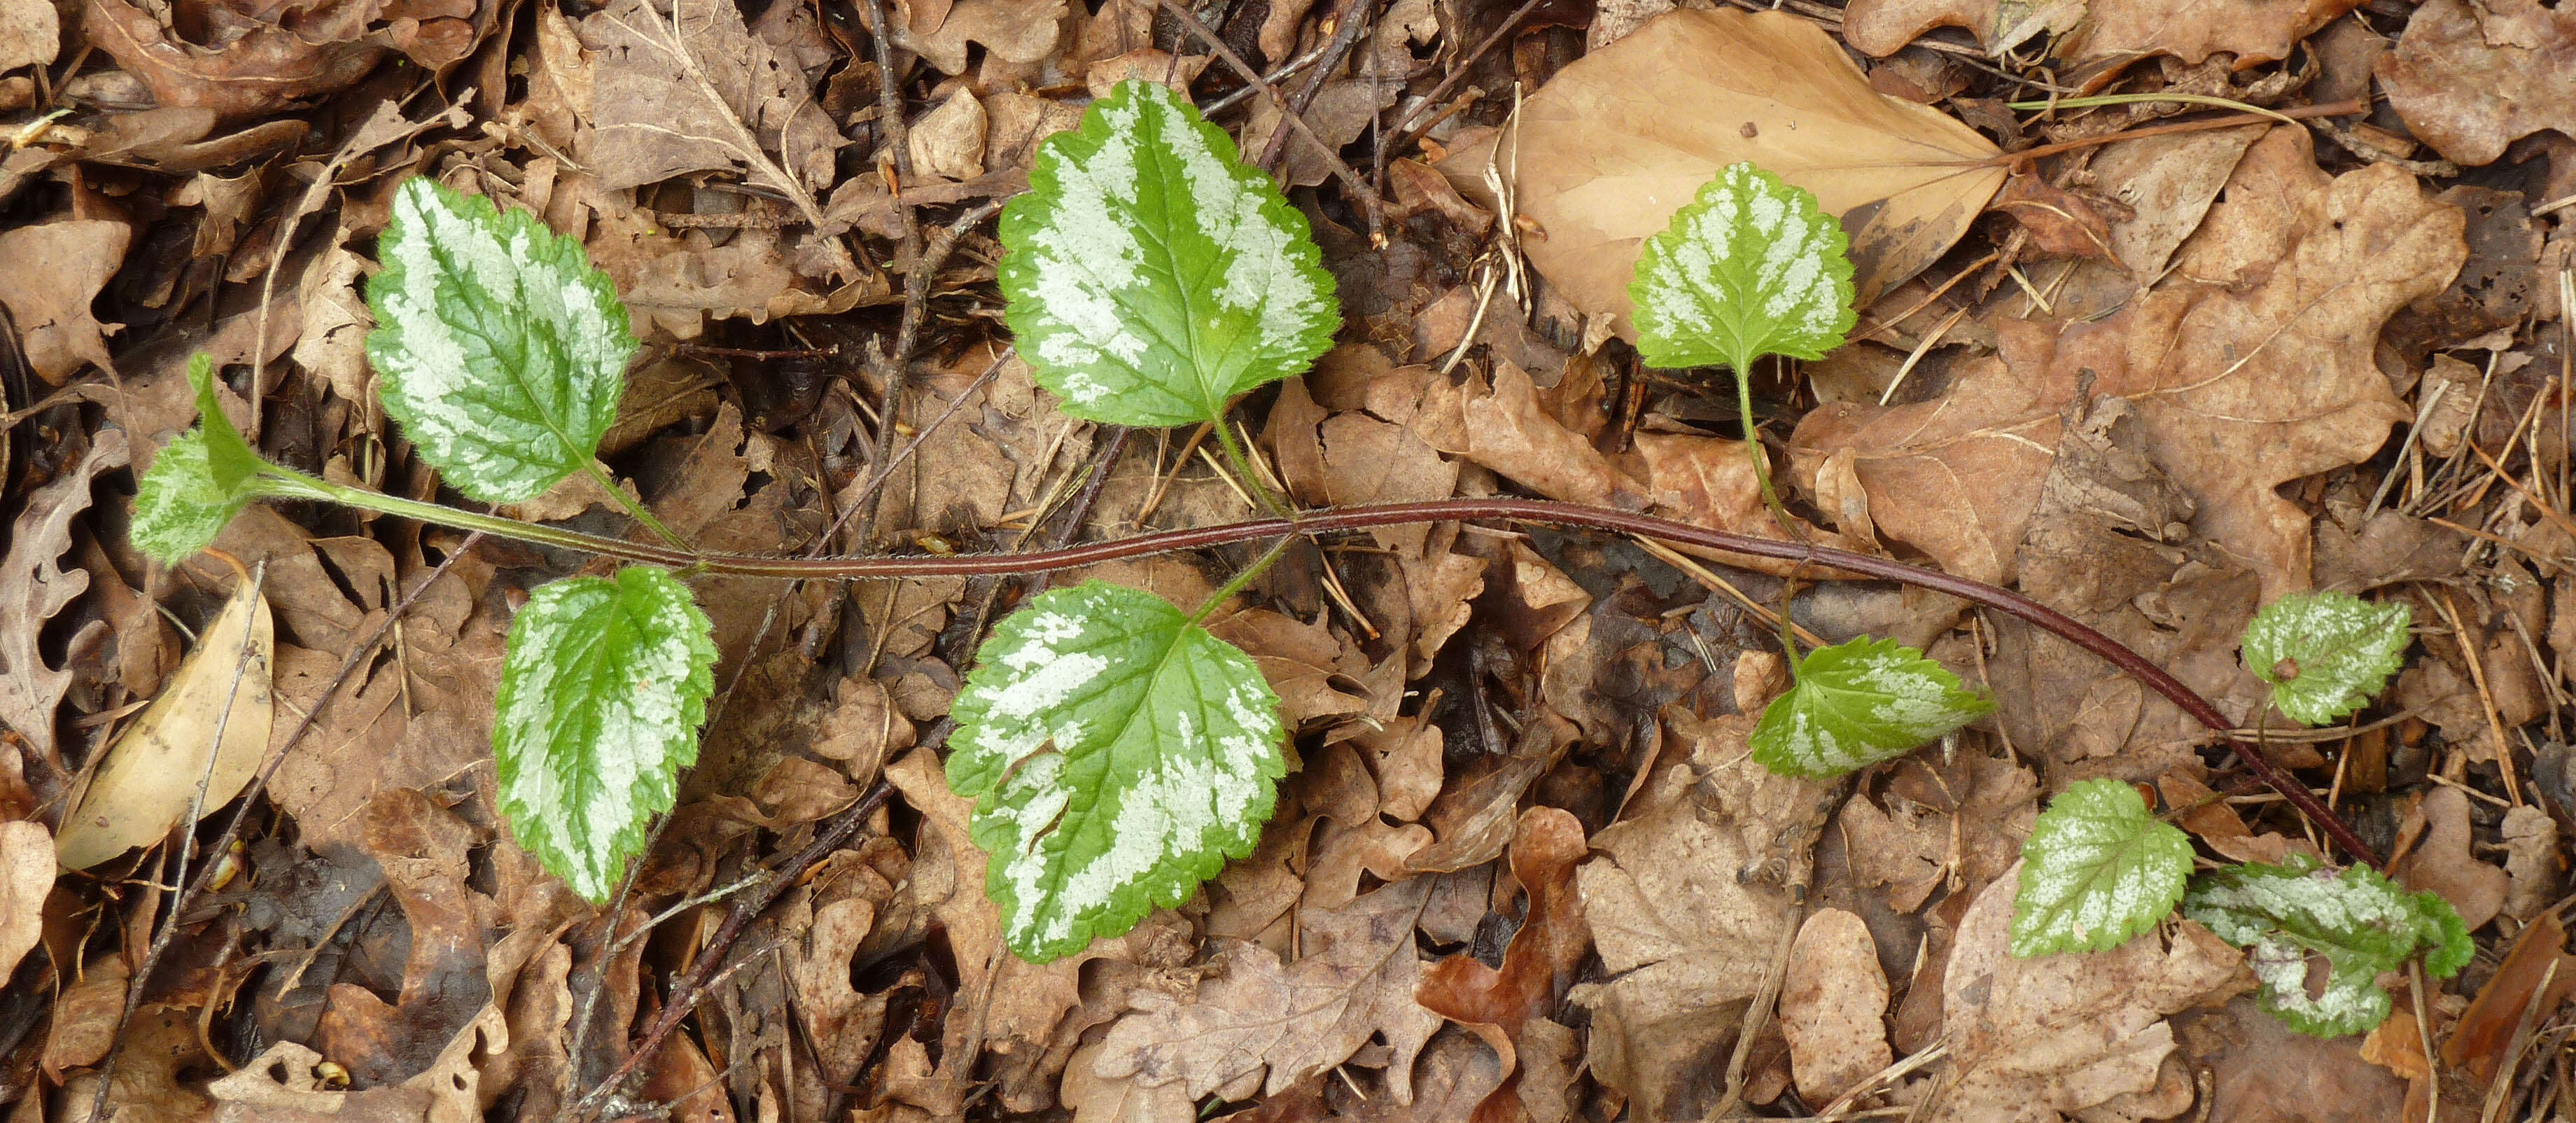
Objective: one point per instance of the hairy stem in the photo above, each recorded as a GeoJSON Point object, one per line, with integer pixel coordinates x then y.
{"type": "Point", "coordinates": [278, 481]}
{"type": "Point", "coordinates": [635, 508]}
{"type": "Point", "coordinates": [1743, 366]}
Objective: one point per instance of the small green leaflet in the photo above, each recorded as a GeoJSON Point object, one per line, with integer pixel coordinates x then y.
{"type": "Point", "coordinates": [602, 689]}
{"type": "Point", "coordinates": [1752, 267]}
{"type": "Point", "coordinates": [500, 350]}
{"type": "Point", "coordinates": [2097, 869]}
{"type": "Point", "coordinates": [1151, 275]}
{"type": "Point", "coordinates": [1117, 755]}
{"type": "Point", "coordinates": [2326, 654]}
{"type": "Point", "coordinates": [1860, 702]}
{"type": "Point", "coordinates": [198, 482]}
{"type": "Point", "coordinates": [2360, 922]}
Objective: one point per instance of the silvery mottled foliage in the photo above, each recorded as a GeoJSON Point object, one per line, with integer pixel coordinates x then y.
{"type": "Point", "coordinates": [2326, 654]}
{"type": "Point", "coordinates": [1752, 267]}
{"type": "Point", "coordinates": [2096, 870]}
{"type": "Point", "coordinates": [2360, 922]}
{"type": "Point", "coordinates": [1860, 702]}
{"type": "Point", "coordinates": [1117, 754]}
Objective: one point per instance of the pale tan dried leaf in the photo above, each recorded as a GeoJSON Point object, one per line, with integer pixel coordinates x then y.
{"type": "Point", "coordinates": [2239, 392]}
{"type": "Point", "coordinates": [152, 771]}
{"type": "Point", "coordinates": [1831, 1002]}
{"type": "Point", "coordinates": [30, 32]}
{"type": "Point", "coordinates": [26, 875]}
{"type": "Point", "coordinates": [1145, 64]}
{"type": "Point", "coordinates": [948, 142]}
{"type": "Point", "coordinates": [2442, 862]}
{"type": "Point", "coordinates": [1356, 981]}
{"type": "Point", "coordinates": [2472, 77]}
{"type": "Point", "coordinates": [49, 273]}
{"type": "Point", "coordinates": [2168, 183]}
{"type": "Point", "coordinates": [2531, 861]}
{"type": "Point", "coordinates": [1619, 140]}
{"type": "Point", "coordinates": [1127, 1099]}
{"type": "Point", "coordinates": [1021, 31]}
{"type": "Point", "coordinates": [692, 90]}
{"type": "Point", "coordinates": [2094, 34]}
{"type": "Point", "coordinates": [2035, 1040]}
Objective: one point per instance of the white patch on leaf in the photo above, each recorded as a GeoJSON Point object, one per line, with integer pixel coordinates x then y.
{"type": "Point", "coordinates": [2360, 922]}
{"type": "Point", "coordinates": [1751, 267]}
{"type": "Point", "coordinates": [1151, 276]}
{"type": "Point", "coordinates": [2326, 654]}
{"type": "Point", "coordinates": [602, 689]}
{"type": "Point", "coordinates": [2096, 870]}
{"type": "Point", "coordinates": [502, 351]}
{"type": "Point", "coordinates": [1148, 764]}
{"type": "Point", "coordinates": [1858, 703]}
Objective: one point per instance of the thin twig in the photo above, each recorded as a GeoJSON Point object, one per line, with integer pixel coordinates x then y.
{"type": "Point", "coordinates": [1332, 159]}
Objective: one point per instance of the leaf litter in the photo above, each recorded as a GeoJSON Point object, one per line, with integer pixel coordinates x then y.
{"type": "Point", "coordinates": [1524, 866]}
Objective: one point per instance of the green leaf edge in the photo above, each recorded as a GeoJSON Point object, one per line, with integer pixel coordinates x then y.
{"type": "Point", "coordinates": [1030, 208]}
{"type": "Point", "coordinates": [1764, 729]}
{"type": "Point", "coordinates": [2442, 959]}
{"type": "Point", "coordinates": [1658, 350]}
{"type": "Point", "coordinates": [564, 252]}
{"type": "Point", "coordinates": [2176, 852]}
{"type": "Point", "coordinates": [1115, 922]}
{"type": "Point", "coordinates": [651, 797]}
{"type": "Point", "coordinates": [2396, 616]}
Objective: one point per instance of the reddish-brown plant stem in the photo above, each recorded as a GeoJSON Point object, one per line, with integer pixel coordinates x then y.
{"type": "Point", "coordinates": [1598, 518]}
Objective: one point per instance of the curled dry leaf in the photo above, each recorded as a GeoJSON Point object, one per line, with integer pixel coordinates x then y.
{"type": "Point", "coordinates": [35, 587]}
{"type": "Point", "coordinates": [2239, 392]}
{"type": "Point", "coordinates": [2471, 76]}
{"type": "Point", "coordinates": [1621, 139]}
{"type": "Point", "coordinates": [2442, 862]}
{"type": "Point", "coordinates": [1553, 941]}
{"type": "Point", "coordinates": [2101, 36]}
{"type": "Point", "coordinates": [2039, 1039]}
{"type": "Point", "coordinates": [152, 771]}
{"type": "Point", "coordinates": [1685, 932]}
{"type": "Point", "coordinates": [49, 273]}
{"type": "Point", "coordinates": [1356, 981]}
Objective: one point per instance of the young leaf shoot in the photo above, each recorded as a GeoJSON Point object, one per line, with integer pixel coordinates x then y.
{"type": "Point", "coordinates": [2096, 870]}
{"type": "Point", "coordinates": [1117, 755]}
{"type": "Point", "coordinates": [1152, 276]}
{"type": "Point", "coordinates": [1751, 267]}
{"type": "Point", "coordinates": [602, 689]}
{"type": "Point", "coordinates": [198, 482]}
{"type": "Point", "coordinates": [2326, 654]}
{"type": "Point", "coordinates": [1858, 703]}
{"type": "Point", "coordinates": [2361, 923]}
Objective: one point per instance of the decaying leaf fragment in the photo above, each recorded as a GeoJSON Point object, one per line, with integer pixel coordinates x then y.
{"type": "Point", "coordinates": [2471, 76]}
{"type": "Point", "coordinates": [2101, 36]}
{"type": "Point", "coordinates": [1621, 139]}
{"type": "Point", "coordinates": [151, 772]}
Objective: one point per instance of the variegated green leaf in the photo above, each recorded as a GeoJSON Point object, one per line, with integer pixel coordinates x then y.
{"type": "Point", "coordinates": [1860, 702]}
{"type": "Point", "coordinates": [1752, 267]}
{"type": "Point", "coordinates": [2359, 922]}
{"type": "Point", "coordinates": [2326, 654]}
{"type": "Point", "coordinates": [1151, 275]}
{"type": "Point", "coordinates": [2096, 870]}
{"type": "Point", "coordinates": [1117, 755]}
{"type": "Point", "coordinates": [498, 347]}
{"type": "Point", "coordinates": [602, 688]}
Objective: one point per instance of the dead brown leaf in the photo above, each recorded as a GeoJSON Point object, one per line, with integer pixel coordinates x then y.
{"type": "Point", "coordinates": [30, 32]}
{"type": "Point", "coordinates": [1539, 964]}
{"type": "Point", "coordinates": [35, 587]}
{"type": "Point", "coordinates": [693, 90]}
{"type": "Point", "coordinates": [1830, 1006]}
{"type": "Point", "coordinates": [2041, 1039]}
{"type": "Point", "coordinates": [1356, 981]}
{"type": "Point", "coordinates": [1621, 139]}
{"type": "Point", "coordinates": [26, 875]}
{"type": "Point", "coordinates": [2091, 35]}
{"type": "Point", "coordinates": [2472, 77]}
{"type": "Point", "coordinates": [49, 273]}
{"type": "Point", "coordinates": [2238, 392]}
{"type": "Point", "coordinates": [2438, 858]}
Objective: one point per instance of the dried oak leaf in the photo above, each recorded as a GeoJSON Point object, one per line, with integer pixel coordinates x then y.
{"type": "Point", "coordinates": [1684, 927]}
{"type": "Point", "coordinates": [1021, 31]}
{"type": "Point", "coordinates": [1619, 140]}
{"type": "Point", "coordinates": [1539, 965]}
{"type": "Point", "coordinates": [2440, 858]}
{"type": "Point", "coordinates": [2094, 34]}
{"type": "Point", "coordinates": [2471, 76]}
{"type": "Point", "coordinates": [2036, 1040]}
{"type": "Point", "coordinates": [1356, 981]}
{"type": "Point", "coordinates": [2239, 392]}
{"type": "Point", "coordinates": [35, 587]}
{"type": "Point", "coordinates": [694, 91]}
